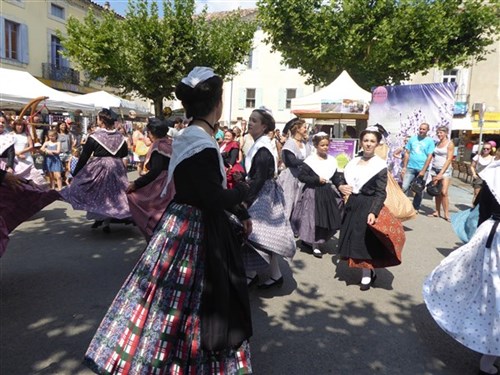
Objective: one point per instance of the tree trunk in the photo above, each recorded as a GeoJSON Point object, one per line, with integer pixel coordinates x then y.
{"type": "Point", "coordinates": [158, 103]}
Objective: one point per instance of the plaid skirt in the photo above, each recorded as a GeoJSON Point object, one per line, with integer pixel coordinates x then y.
{"type": "Point", "coordinates": [153, 325]}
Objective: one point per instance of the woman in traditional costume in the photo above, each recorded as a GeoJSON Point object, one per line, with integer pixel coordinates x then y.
{"type": "Point", "coordinates": [272, 234]}
{"type": "Point", "coordinates": [316, 216]}
{"type": "Point", "coordinates": [99, 185]}
{"type": "Point", "coordinates": [463, 292]}
{"type": "Point", "coordinates": [364, 186]}
{"type": "Point", "coordinates": [293, 153]}
{"type": "Point", "coordinates": [230, 151]}
{"type": "Point", "coordinates": [145, 198]}
{"type": "Point", "coordinates": [184, 309]}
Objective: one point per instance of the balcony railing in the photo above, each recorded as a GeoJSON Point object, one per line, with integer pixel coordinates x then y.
{"type": "Point", "coordinates": [57, 73]}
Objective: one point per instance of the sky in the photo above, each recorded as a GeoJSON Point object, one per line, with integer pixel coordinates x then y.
{"type": "Point", "coordinates": [120, 6]}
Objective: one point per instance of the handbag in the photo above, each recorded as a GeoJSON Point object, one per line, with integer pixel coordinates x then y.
{"type": "Point", "coordinates": [140, 148]}
{"type": "Point", "coordinates": [418, 185]}
{"type": "Point", "coordinates": [434, 189]}
{"type": "Point", "coordinates": [390, 232]}
{"type": "Point", "coordinates": [397, 202]}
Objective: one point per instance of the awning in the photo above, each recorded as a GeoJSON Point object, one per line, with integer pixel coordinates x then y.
{"type": "Point", "coordinates": [491, 123]}
{"type": "Point", "coordinates": [461, 123]}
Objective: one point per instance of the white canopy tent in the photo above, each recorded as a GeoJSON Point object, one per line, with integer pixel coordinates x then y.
{"type": "Point", "coordinates": [17, 88]}
{"type": "Point", "coordinates": [342, 98]}
{"type": "Point", "coordinates": [103, 99]}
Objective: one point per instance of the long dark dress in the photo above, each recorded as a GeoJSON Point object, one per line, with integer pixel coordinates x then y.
{"type": "Point", "coordinates": [357, 243]}
{"type": "Point", "coordinates": [316, 216]}
{"type": "Point", "coordinates": [184, 308]}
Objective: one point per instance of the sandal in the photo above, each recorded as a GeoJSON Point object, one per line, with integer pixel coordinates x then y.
{"type": "Point", "coordinates": [447, 219]}
{"type": "Point", "coordinates": [434, 214]}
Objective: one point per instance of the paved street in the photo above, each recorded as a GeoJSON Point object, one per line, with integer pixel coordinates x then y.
{"type": "Point", "coordinates": [58, 278]}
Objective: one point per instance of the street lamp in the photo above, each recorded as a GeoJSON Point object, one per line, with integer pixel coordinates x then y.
{"type": "Point", "coordinates": [481, 108]}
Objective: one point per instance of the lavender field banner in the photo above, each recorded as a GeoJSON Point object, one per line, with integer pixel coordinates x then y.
{"type": "Point", "coordinates": [401, 110]}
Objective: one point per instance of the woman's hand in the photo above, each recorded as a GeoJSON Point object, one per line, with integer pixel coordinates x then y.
{"type": "Point", "coordinates": [371, 219]}
{"type": "Point", "coordinates": [322, 181]}
{"type": "Point", "coordinates": [130, 188]}
{"type": "Point", "coordinates": [436, 178]}
{"type": "Point", "coordinates": [247, 226]}
{"type": "Point", "coordinates": [345, 189]}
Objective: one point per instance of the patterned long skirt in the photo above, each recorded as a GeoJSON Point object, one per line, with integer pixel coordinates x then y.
{"type": "Point", "coordinates": [153, 325]}
{"type": "Point", "coordinates": [99, 188]}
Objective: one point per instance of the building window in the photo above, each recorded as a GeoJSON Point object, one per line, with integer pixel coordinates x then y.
{"type": "Point", "coordinates": [55, 52]}
{"type": "Point", "coordinates": [250, 60]}
{"type": "Point", "coordinates": [250, 100]}
{"type": "Point", "coordinates": [290, 94]}
{"type": "Point", "coordinates": [11, 40]}
{"type": "Point", "coordinates": [450, 75]}
{"type": "Point", "coordinates": [57, 11]}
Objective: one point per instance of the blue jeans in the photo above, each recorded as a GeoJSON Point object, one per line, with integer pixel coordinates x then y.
{"type": "Point", "coordinates": [410, 175]}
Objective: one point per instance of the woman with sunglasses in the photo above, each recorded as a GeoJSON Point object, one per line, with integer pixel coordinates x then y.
{"type": "Point", "coordinates": [479, 162]}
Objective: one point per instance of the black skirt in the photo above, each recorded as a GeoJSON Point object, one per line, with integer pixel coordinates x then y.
{"type": "Point", "coordinates": [356, 239]}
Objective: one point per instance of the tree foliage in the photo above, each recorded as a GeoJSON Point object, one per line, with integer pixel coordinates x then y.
{"type": "Point", "coordinates": [379, 41]}
{"type": "Point", "coordinates": [149, 54]}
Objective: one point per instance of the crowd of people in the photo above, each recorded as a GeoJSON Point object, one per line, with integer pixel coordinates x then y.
{"type": "Point", "coordinates": [218, 207]}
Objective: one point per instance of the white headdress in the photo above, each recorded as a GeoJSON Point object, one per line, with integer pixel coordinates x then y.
{"type": "Point", "coordinates": [320, 134]}
{"type": "Point", "coordinates": [197, 75]}
{"type": "Point", "coordinates": [265, 109]}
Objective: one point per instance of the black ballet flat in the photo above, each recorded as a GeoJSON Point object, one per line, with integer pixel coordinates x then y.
{"type": "Point", "coordinates": [278, 282]}
{"type": "Point", "coordinates": [96, 224]}
{"type": "Point", "coordinates": [373, 277]}
{"type": "Point", "coordinates": [251, 281]}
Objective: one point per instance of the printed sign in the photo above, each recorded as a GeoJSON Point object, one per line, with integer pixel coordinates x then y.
{"type": "Point", "coordinates": [343, 150]}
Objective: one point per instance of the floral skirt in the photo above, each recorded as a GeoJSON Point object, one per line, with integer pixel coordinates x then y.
{"type": "Point", "coordinates": [99, 188]}
{"type": "Point", "coordinates": [153, 325]}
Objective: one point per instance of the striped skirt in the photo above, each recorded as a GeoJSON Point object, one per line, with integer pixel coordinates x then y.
{"type": "Point", "coordinates": [153, 325]}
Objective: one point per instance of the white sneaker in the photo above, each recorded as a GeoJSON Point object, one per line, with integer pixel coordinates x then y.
{"type": "Point", "coordinates": [317, 253]}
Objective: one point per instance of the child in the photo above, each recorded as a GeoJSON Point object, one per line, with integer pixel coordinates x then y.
{"type": "Point", "coordinates": [316, 216]}
{"type": "Point", "coordinates": [52, 162]}
{"type": "Point", "coordinates": [71, 163]}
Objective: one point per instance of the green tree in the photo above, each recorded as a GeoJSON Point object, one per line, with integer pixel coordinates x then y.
{"type": "Point", "coordinates": [149, 54]}
{"type": "Point", "coordinates": [378, 41]}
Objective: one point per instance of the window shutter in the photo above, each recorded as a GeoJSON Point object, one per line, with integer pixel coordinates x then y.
{"type": "Point", "coordinates": [282, 99]}
{"type": "Point", "coordinates": [2, 37]}
{"type": "Point", "coordinates": [242, 98]}
{"type": "Point", "coordinates": [24, 52]}
{"type": "Point", "coordinates": [258, 98]}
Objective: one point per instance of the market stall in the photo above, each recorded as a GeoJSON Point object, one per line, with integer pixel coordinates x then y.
{"type": "Point", "coordinates": [18, 88]}
{"type": "Point", "coordinates": [103, 99]}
